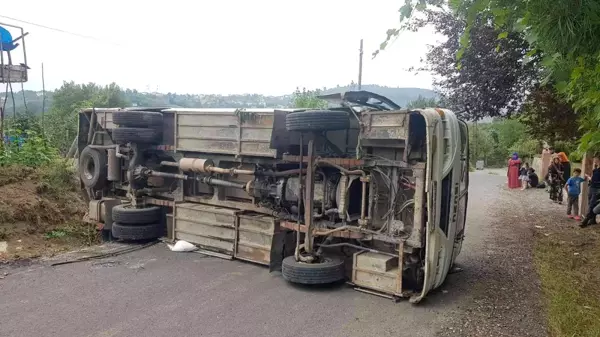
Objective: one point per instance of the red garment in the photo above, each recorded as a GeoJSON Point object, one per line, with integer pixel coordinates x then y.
{"type": "Point", "coordinates": [513, 173]}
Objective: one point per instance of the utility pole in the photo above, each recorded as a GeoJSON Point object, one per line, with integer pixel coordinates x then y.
{"type": "Point", "coordinates": [360, 59]}
{"type": "Point", "coordinates": [43, 99]}
{"type": "Point", "coordinates": [1, 121]}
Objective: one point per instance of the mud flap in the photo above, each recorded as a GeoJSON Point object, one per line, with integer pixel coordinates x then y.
{"type": "Point", "coordinates": [284, 245]}
{"type": "Point", "coordinates": [277, 251]}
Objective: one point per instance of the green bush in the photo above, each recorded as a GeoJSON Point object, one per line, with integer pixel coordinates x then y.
{"type": "Point", "coordinates": [57, 178]}
{"type": "Point", "coordinates": [32, 151]}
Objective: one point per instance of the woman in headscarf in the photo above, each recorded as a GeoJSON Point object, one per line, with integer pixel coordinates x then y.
{"type": "Point", "coordinates": [556, 179]}
{"type": "Point", "coordinates": [514, 164]}
{"type": "Point", "coordinates": [564, 160]}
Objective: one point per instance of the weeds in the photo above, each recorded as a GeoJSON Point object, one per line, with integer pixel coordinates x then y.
{"type": "Point", "coordinates": [57, 178]}
{"type": "Point", "coordinates": [81, 232]}
{"type": "Point", "coordinates": [26, 148]}
{"type": "Point", "coordinates": [55, 234]}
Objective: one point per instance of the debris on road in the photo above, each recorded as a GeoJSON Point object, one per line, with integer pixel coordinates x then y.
{"type": "Point", "coordinates": [182, 246]}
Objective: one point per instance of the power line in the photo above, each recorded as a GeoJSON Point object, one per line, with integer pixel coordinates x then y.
{"type": "Point", "coordinates": [60, 30]}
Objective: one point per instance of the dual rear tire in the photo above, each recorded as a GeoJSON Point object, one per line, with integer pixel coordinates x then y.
{"type": "Point", "coordinates": [137, 224]}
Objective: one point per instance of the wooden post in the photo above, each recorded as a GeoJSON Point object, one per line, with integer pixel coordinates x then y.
{"type": "Point", "coordinates": [586, 168]}
{"type": "Point", "coordinates": [43, 100]}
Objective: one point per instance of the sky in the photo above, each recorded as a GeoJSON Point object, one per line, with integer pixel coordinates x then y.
{"type": "Point", "coordinates": [217, 47]}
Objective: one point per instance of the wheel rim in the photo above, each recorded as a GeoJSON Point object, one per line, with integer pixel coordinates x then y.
{"type": "Point", "coordinates": [89, 168]}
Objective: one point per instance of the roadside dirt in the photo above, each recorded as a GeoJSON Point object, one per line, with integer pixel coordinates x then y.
{"type": "Point", "coordinates": [38, 218]}
{"type": "Point", "coordinates": [503, 287]}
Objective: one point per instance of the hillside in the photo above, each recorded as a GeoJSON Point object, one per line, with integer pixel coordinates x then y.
{"type": "Point", "coordinates": [33, 99]}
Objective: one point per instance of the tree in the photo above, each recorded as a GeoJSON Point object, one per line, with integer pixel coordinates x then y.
{"type": "Point", "coordinates": [547, 116]}
{"type": "Point", "coordinates": [480, 143]}
{"type": "Point", "coordinates": [307, 99]}
{"type": "Point", "coordinates": [566, 35]}
{"type": "Point", "coordinates": [423, 102]}
{"type": "Point", "coordinates": [488, 78]}
{"type": "Point", "coordinates": [61, 124]}
{"type": "Point", "coordinates": [494, 142]}
{"type": "Point", "coordinates": [486, 70]}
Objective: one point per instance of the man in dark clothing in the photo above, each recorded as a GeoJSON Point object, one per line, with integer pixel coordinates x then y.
{"type": "Point", "coordinates": [593, 191]}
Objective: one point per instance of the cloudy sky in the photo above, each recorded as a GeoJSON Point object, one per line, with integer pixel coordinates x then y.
{"type": "Point", "coordinates": [227, 46]}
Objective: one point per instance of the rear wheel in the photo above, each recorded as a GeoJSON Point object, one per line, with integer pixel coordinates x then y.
{"type": "Point", "coordinates": [137, 232]}
{"type": "Point", "coordinates": [329, 270]}
{"type": "Point", "coordinates": [136, 135]}
{"type": "Point", "coordinates": [127, 214]}
{"type": "Point", "coordinates": [137, 119]}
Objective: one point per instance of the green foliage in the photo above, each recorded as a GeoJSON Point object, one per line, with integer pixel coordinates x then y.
{"type": "Point", "coordinates": [526, 148]}
{"type": "Point", "coordinates": [494, 142]}
{"type": "Point", "coordinates": [55, 234]}
{"type": "Point", "coordinates": [61, 123]}
{"type": "Point", "coordinates": [57, 177]}
{"type": "Point", "coordinates": [307, 99]}
{"type": "Point", "coordinates": [548, 116]}
{"type": "Point", "coordinates": [484, 77]}
{"type": "Point", "coordinates": [538, 59]}
{"type": "Point", "coordinates": [423, 102]}
{"type": "Point", "coordinates": [566, 35]}
{"type": "Point", "coordinates": [31, 151]}
{"type": "Point", "coordinates": [481, 144]}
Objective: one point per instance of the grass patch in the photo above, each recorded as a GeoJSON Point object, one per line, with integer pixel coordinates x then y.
{"type": "Point", "coordinates": [75, 231]}
{"type": "Point", "coordinates": [57, 233]}
{"type": "Point", "coordinates": [568, 263]}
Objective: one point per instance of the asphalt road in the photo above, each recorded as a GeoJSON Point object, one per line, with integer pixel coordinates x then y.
{"type": "Point", "coordinates": [155, 292]}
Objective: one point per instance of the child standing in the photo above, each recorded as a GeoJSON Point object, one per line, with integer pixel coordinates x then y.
{"type": "Point", "coordinates": [524, 176]}
{"type": "Point", "coordinates": [573, 190]}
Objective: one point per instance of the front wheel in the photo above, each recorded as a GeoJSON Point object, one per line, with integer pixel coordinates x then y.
{"type": "Point", "coordinates": [328, 270]}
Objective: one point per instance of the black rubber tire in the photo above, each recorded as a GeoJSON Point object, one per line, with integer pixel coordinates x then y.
{"type": "Point", "coordinates": [126, 214]}
{"type": "Point", "coordinates": [137, 232]}
{"type": "Point", "coordinates": [328, 271]}
{"type": "Point", "coordinates": [93, 168]}
{"type": "Point", "coordinates": [138, 119]}
{"type": "Point", "coordinates": [136, 135]}
{"type": "Point", "coordinates": [317, 120]}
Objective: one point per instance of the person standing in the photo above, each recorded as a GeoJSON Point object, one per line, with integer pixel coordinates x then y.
{"type": "Point", "coordinates": [555, 179]}
{"type": "Point", "coordinates": [566, 164]}
{"type": "Point", "coordinates": [514, 164]}
{"type": "Point", "coordinates": [573, 190]}
{"type": "Point", "coordinates": [594, 181]}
